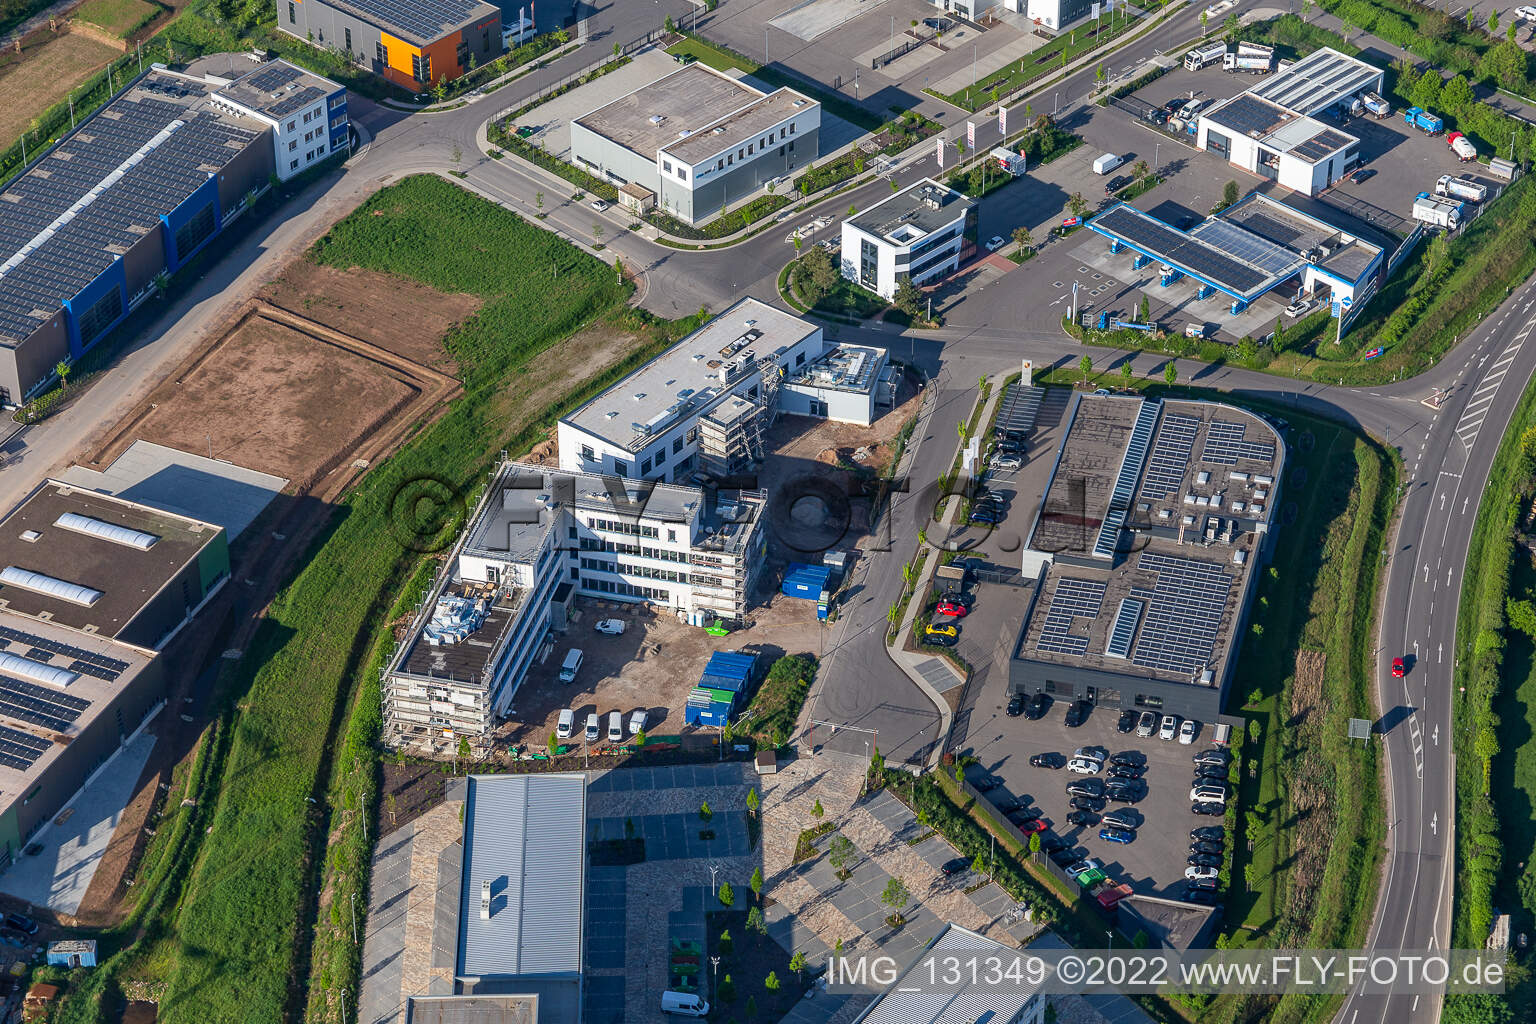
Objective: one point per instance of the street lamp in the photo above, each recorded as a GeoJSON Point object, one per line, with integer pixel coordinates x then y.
{"type": "Point", "coordinates": [1109, 935]}
{"type": "Point", "coordinates": [714, 869]}
{"type": "Point", "coordinates": [714, 963]}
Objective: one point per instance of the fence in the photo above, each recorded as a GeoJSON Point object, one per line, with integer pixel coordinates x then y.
{"type": "Point", "coordinates": [1139, 109]}
{"type": "Point", "coordinates": [876, 63]}
{"type": "Point", "coordinates": [633, 46]}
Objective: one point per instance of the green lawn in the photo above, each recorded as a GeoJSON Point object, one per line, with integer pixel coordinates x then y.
{"type": "Point", "coordinates": [716, 57]}
{"type": "Point", "coordinates": [248, 906]}
{"type": "Point", "coordinates": [118, 17]}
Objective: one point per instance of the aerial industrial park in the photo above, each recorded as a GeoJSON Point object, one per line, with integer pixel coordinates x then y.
{"type": "Point", "coordinates": [762, 510]}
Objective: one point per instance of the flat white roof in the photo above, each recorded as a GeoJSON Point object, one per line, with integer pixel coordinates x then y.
{"type": "Point", "coordinates": [686, 377]}
{"type": "Point", "coordinates": [1318, 81]}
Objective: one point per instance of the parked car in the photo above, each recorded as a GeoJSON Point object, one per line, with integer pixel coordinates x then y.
{"type": "Point", "coordinates": [941, 640]}
{"type": "Point", "coordinates": [1187, 731]}
{"type": "Point", "coordinates": [610, 627]}
{"type": "Point", "coordinates": [1203, 885]}
{"type": "Point", "coordinates": [1024, 814]}
{"type": "Point", "coordinates": [995, 243]}
{"type": "Point", "coordinates": [1168, 728]}
{"type": "Point", "coordinates": [1005, 461]}
{"type": "Point", "coordinates": [1360, 174]}
{"type": "Point", "coordinates": [1083, 766]}
{"type": "Point", "coordinates": [1117, 835]}
{"type": "Point", "coordinates": [1215, 755]}
{"type": "Point", "coordinates": [1054, 844]}
{"type": "Point", "coordinates": [1067, 854]}
{"type": "Point", "coordinates": [1092, 753]}
{"type": "Point", "coordinates": [1085, 787]}
{"type": "Point", "coordinates": [1210, 771]}
{"type": "Point", "coordinates": [1193, 872]}
{"type": "Point", "coordinates": [1123, 817]}
{"type": "Point", "coordinates": [1084, 866]}
{"type": "Point", "coordinates": [1207, 834]}
{"type": "Point", "coordinates": [1126, 794]}
{"type": "Point", "coordinates": [637, 721]}
{"type": "Point", "coordinates": [1207, 808]}
{"type": "Point", "coordinates": [1126, 771]}
{"type": "Point", "coordinates": [1015, 707]}
{"type": "Point", "coordinates": [593, 729]}
{"type": "Point", "coordinates": [1129, 759]}
{"type": "Point", "coordinates": [22, 923]}
{"type": "Point", "coordinates": [955, 866]}
{"type": "Point", "coordinates": [986, 783]}
{"type": "Point", "coordinates": [1526, 13]}
{"type": "Point", "coordinates": [565, 725]}
{"type": "Point", "coordinates": [1007, 804]}
{"type": "Point", "coordinates": [1209, 849]}
{"type": "Point", "coordinates": [1077, 713]}
{"type": "Point", "coordinates": [1127, 721]}
{"type": "Point", "coordinates": [1210, 791]}
{"type": "Point", "coordinates": [1051, 761]}
{"type": "Point", "coordinates": [1146, 725]}
{"type": "Point", "coordinates": [1039, 704]}
{"type": "Point", "coordinates": [941, 629]}
{"type": "Point", "coordinates": [1083, 819]}
{"type": "Point", "coordinates": [1299, 307]}
{"type": "Point", "coordinates": [1115, 184]}
{"type": "Point", "coordinates": [953, 608]}
{"type": "Point", "coordinates": [1204, 897]}
{"type": "Point", "coordinates": [1397, 668]}
{"type": "Point", "coordinates": [1088, 803]}
{"type": "Point", "coordinates": [1204, 860]}
{"type": "Point", "coordinates": [986, 515]}
{"type": "Point", "coordinates": [1032, 825]}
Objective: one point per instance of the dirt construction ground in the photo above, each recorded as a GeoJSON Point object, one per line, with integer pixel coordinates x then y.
{"type": "Point", "coordinates": [652, 666]}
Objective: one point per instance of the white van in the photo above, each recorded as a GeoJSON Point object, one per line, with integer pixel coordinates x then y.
{"type": "Point", "coordinates": [592, 728]}
{"type": "Point", "coordinates": [685, 1004]}
{"type": "Point", "coordinates": [615, 726]}
{"type": "Point", "coordinates": [571, 665]}
{"type": "Point", "coordinates": [1106, 163]}
{"type": "Point", "coordinates": [565, 725]}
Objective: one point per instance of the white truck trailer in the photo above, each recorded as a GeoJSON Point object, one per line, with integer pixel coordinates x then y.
{"type": "Point", "coordinates": [1439, 213]}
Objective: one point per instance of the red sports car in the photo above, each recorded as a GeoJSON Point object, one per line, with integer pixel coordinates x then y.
{"type": "Point", "coordinates": [1397, 668]}
{"type": "Point", "coordinates": [1038, 825]}
{"type": "Point", "coordinates": [954, 608]}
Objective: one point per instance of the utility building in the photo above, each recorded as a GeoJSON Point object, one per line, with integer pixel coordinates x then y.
{"type": "Point", "coordinates": [921, 233]}
{"type": "Point", "coordinates": [413, 44]}
{"type": "Point", "coordinates": [696, 141]}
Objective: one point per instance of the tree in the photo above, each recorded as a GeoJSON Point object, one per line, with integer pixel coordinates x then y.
{"type": "Point", "coordinates": [1146, 310]}
{"type": "Point", "coordinates": [1098, 74]}
{"type": "Point", "coordinates": [1170, 373]}
{"type": "Point", "coordinates": [771, 983]}
{"type": "Point", "coordinates": [1085, 364]}
{"type": "Point", "coordinates": [1426, 91]}
{"type": "Point", "coordinates": [554, 744]}
{"type": "Point", "coordinates": [726, 943]}
{"type": "Point", "coordinates": [597, 234]}
{"type": "Point", "coordinates": [817, 810]}
{"type": "Point", "coordinates": [908, 298]}
{"type": "Point", "coordinates": [1522, 615]}
{"type": "Point", "coordinates": [798, 242]}
{"type": "Point", "coordinates": [1021, 238]}
{"type": "Point", "coordinates": [1232, 26]}
{"type": "Point", "coordinates": [704, 812]}
{"type": "Point", "coordinates": [726, 895]}
{"type": "Point", "coordinates": [463, 750]}
{"type": "Point", "coordinates": [753, 802]}
{"type": "Point", "coordinates": [1204, 17]}
{"type": "Point", "coordinates": [1140, 169]}
{"type": "Point", "coordinates": [1481, 1008]}
{"type": "Point", "coordinates": [668, 23]}
{"type": "Point", "coordinates": [1247, 351]}
{"type": "Point", "coordinates": [62, 368]}
{"type": "Point", "coordinates": [1513, 31]}
{"type": "Point", "coordinates": [751, 1008]}
{"type": "Point", "coordinates": [797, 964]}
{"type": "Point", "coordinates": [1277, 343]}
{"type": "Point", "coordinates": [1456, 95]}
{"type": "Point", "coordinates": [896, 896]}
{"type": "Point", "coordinates": [840, 853]}
{"type": "Point", "coordinates": [853, 209]}
{"type": "Point", "coordinates": [1493, 22]}
{"type": "Point", "coordinates": [389, 805]}
{"type": "Point", "coordinates": [1306, 10]}
{"type": "Point", "coordinates": [617, 49]}
{"type": "Point", "coordinates": [755, 921]}
{"type": "Point", "coordinates": [756, 881]}
{"type": "Point", "coordinates": [1229, 193]}
{"type": "Point", "coordinates": [1077, 204]}
{"type": "Point", "coordinates": [979, 865]}
{"type": "Point", "coordinates": [456, 154]}
{"type": "Point", "coordinates": [639, 737]}
{"type": "Point", "coordinates": [440, 89]}
{"type": "Point", "coordinates": [1125, 373]}
{"type": "Point", "coordinates": [817, 274]}
{"type": "Point", "coordinates": [1034, 842]}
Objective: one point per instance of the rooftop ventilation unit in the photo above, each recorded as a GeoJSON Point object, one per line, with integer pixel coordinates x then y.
{"type": "Point", "coordinates": [26, 668]}
{"type": "Point", "coordinates": [106, 531]}
{"type": "Point", "coordinates": [49, 586]}
{"type": "Point", "coordinates": [485, 900]}
{"type": "Point", "coordinates": [657, 119]}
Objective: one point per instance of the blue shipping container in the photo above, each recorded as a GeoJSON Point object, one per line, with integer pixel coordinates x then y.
{"type": "Point", "coordinates": [806, 581]}
{"type": "Point", "coordinates": [730, 665]}
{"type": "Point", "coordinates": [709, 714]}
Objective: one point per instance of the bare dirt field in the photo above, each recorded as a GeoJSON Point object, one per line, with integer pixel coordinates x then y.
{"type": "Point", "coordinates": [281, 395]}
{"type": "Point", "coordinates": [48, 68]}
{"type": "Point", "coordinates": [398, 315]}
{"type": "Point", "coordinates": [652, 666]}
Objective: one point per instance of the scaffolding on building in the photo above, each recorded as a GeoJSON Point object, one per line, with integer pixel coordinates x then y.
{"type": "Point", "coordinates": [731, 435]}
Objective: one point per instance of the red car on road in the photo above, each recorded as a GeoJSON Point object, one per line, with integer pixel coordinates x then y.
{"type": "Point", "coordinates": [1397, 668]}
{"type": "Point", "coordinates": [954, 608]}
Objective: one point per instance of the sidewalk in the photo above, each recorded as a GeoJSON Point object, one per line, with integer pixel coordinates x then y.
{"type": "Point", "coordinates": [934, 675]}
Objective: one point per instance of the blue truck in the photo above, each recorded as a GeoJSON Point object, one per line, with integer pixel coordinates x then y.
{"type": "Point", "coordinates": [1423, 120]}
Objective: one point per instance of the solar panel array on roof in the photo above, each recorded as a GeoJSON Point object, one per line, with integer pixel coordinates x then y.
{"type": "Point", "coordinates": [85, 662]}
{"type": "Point", "coordinates": [1253, 249]}
{"type": "Point", "coordinates": [1188, 252]}
{"type": "Point", "coordinates": [1170, 455]}
{"type": "Point", "coordinates": [20, 750]}
{"type": "Point", "coordinates": [28, 702]}
{"type": "Point", "coordinates": [1127, 617]}
{"type": "Point", "coordinates": [1226, 443]}
{"type": "Point", "coordinates": [1247, 115]}
{"type": "Point", "coordinates": [1072, 599]}
{"type": "Point", "coordinates": [426, 20]}
{"type": "Point", "coordinates": [1125, 480]}
{"type": "Point", "coordinates": [120, 213]}
{"type": "Point", "coordinates": [1183, 615]}
{"type": "Point", "coordinates": [1321, 145]}
{"type": "Point", "coordinates": [1318, 81]}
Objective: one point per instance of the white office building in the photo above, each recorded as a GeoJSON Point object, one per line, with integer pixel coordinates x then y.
{"type": "Point", "coordinates": [701, 407]}
{"type": "Point", "coordinates": [307, 113]}
{"type": "Point", "coordinates": [922, 232]}
{"type": "Point", "coordinates": [1272, 130]}
{"type": "Point", "coordinates": [537, 537]}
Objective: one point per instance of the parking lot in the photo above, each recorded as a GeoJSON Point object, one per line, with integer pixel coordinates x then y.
{"type": "Point", "coordinates": [1154, 863]}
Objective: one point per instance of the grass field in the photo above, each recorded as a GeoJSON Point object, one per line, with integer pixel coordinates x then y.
{"type": "Point", "coordinates": [43, 76]}
{"type": "Point", "coordinates": [245, 921]}
{"type": "Point", "coordinates": [117, 17]}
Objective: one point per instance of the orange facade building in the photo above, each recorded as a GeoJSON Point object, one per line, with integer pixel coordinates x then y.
{"type": "Point", "coordinates": [413, 43]}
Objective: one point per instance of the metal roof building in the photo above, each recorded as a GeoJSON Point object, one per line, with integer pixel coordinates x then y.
{"type": "Point", "coordinates": [414, 43]}
{"type": "Point", "coordinates": [918, 1003]}
{"type": "Point", "coordinates": [1318, 81]}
